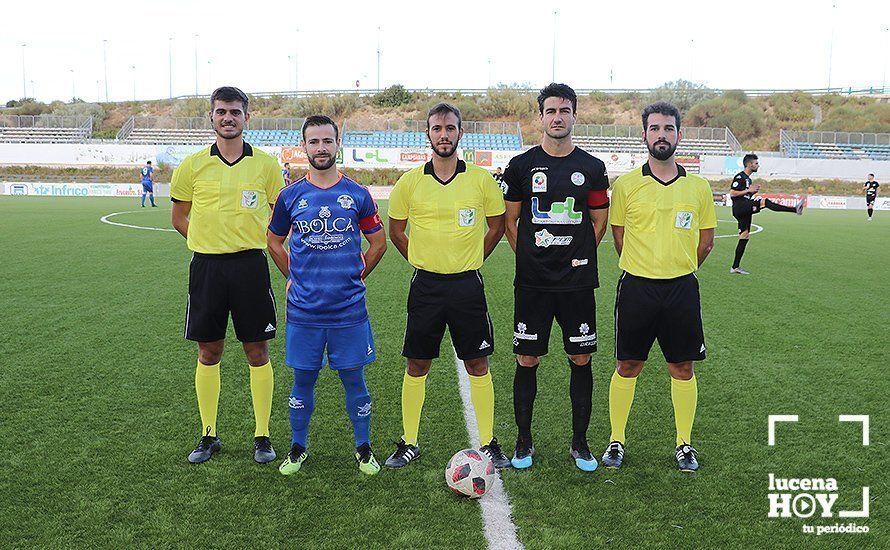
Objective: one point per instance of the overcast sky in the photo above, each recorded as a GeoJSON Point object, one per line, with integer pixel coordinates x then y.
{"type": "Point", "coordinates": [749, 44]}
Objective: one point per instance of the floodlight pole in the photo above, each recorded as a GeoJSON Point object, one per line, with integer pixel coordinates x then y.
{"type": "Point", "coordinates": [133, 72]}
{"type": "Point", "coordinates": [196, 64]}
{"type": "Point", "coordinates": [24, 77]}
{"type": "Point", "coordinates": [105, 65]}
{"type": "Point", "coordinates": [831, 43]}
{"type": "Point", "coordinates": [378, 58]}
{"type": "Point", "coordinates": [553, 64]}
{"type": "Point", "coordinates": [170, 64]}
{"type": "Point", "coordinates": [886, 31]}
{"type": "Point", "coordinates": [73, 91]}
{"type": "Point", "coordinates": [297, 61]}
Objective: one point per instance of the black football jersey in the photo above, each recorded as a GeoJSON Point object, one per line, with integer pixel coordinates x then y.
{"type": "Point", "coordinates": [741, 182]}
{"type": "Point", "coordinates": [556, 245]}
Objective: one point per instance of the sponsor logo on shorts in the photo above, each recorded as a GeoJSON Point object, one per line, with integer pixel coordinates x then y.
{"type": "Point", "coordinates": [544, 239]}
{"type": "Point", "coordinates": [345, 202]}
{"type": "Point", "coordinates": [578, 178]}
{"type": "Point", "coordinates": [520, 333]}
{"type": "Point", "coordinates": [539, 182]}
{"type": "Point", "coordinates": [560, 213]}
{"type": "Point", "coordinates": [684, 220]}
{"type": "Point", "coordinates": [295, 403]}
{"type": "Point", "coordinates": [466, 217]}
{"type": "Point", "coordinates": [484, 345]}
{"type": "Point", "coordinates": [578, 263]}
{"type": "Point", "coordinates": [249, 199]}
{"type": "Point", "coordinates": [270, 328]}
{"type": "Point", "coordinates": [586, 339]}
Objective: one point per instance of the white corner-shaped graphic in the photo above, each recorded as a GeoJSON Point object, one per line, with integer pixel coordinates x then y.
{"type": "Point", "coordinates": [772, 419]}
{"type": "Point", "coordinates": [857, 513]}
{"type": "Point", "coordinates": [857, 418]}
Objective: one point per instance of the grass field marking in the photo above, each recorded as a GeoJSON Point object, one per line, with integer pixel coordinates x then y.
{"type": "Point", "coordinates": [105, 219]}
{"type": "Point", "coordinates": [771, 430]}
{"type": "Point", "coordinates": [863, 418]}
{"type": "Point", "coordinates": [497, 514]}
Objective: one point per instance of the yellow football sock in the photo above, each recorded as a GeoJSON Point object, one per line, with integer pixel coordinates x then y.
{"type": "Point", "coordinates": [207, 389]}
{"type": "Point", "coordinates": [482, 395]}
{"type": "Point", "coordinates": [621, 397]}
{"type": "Point", "coordinates": [413, 393]}
{"type": "Point", "coordinates": [684, 395]}
{"type": "Point", "coordinates": [261, 385]}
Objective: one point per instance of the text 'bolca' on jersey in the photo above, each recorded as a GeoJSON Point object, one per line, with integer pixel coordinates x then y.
{"type": "Point", "coordinates": [555, 244]}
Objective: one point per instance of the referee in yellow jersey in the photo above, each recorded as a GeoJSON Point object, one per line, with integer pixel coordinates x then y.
{"type": "Point", "coordinates": [663, 222]}
{"type": "Point", "coordinates": [222, 197]}
{"type": "Point", "coordinates": [446, 201]}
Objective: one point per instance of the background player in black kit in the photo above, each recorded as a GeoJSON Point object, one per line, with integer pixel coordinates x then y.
{"type": "Point", "coordinates": [557, 194]}
{"type": "Point", "coordinates": [871, 194]}
{"type": "Point", "coordinates": [744, 206]}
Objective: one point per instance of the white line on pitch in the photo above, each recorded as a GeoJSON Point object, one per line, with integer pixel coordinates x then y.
{"type": "Point", "coordinates": [497, 515]}
{"type": "Point", "coordinates": [105, 219]}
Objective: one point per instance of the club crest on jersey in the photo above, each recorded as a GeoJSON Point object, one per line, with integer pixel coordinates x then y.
{"type": "Point", "coordinates": [466, 217]}
{"type": "Point", "coordinates": [345, 202]}
{"type": "Point", "coordinates": [578, 178]}
{"type": "Point", "coordinates": [560, 213]}
{"type": "Point", "coordinates": [684, 220]}
{"type": "Point", "coordinates": [324, 212]}
{"type": "Point", "coordinates": [545, 239]}
{"type": "Point", "coordinates": [539, 182]}
{"type": "Point", "coordinates": [249, 199]}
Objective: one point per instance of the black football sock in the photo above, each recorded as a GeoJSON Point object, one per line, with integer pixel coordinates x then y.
{"type": "Point", "coordinates": [525, 387]}
{"type": "Point", "coordinates": [776, 207]}
{"type": "Point", "coordinates": [870, 210]}
{"type": "Point", "coordinates": [739, 252]}
{"type": "Point", "coordinates": [581, 392]}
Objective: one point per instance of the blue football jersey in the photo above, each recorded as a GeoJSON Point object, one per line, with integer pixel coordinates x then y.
{"type": "Point", "coordinates": [146, 174]}
{"type": "Point", "coordinates": [325, 288]}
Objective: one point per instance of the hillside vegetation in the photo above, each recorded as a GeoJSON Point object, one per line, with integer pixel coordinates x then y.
{"type": "Point", "coordinates": [754, 120]}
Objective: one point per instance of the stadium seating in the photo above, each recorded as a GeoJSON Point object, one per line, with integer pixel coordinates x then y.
{"type": "Point", "coordinates": [44, 129]}
{"type": "Point", "coordinates": [835, 145]}
{"type": "Point", "coordinates": [510, 142]}
{"type": "Point", "coordinates": [198, 136]}
{"type": "Point", "coordinates": [604, 144]}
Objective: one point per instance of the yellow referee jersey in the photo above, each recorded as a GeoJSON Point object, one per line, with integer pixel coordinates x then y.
{"type": "Point", "coordinates": [230, 202]}
{"type": "Point", "coordinates": [661, 221]}
{"type": "Point", "coordinates": [446, 218]}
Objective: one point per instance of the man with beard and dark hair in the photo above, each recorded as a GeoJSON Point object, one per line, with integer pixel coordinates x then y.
{"type": "Point", "coordinates": [325, 213]}
{"type": "Point", "coordinates": [456, 212]}
{"type": "Point", "coordinates": [744, 206]}
{"type": "Point", "coordinates": [557, 211]}
{"type": "Point", "coordinates": [663, 222]}
{"type": "Point", "coordinates": [221, 204]}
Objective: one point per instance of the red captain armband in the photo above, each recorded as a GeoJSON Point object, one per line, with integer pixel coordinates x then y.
{"type": "Point", "coordinates": [370, 223]}
{"type": "Point", "coordinates": [597, 199]}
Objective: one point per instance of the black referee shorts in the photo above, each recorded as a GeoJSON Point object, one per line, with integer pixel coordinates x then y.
{"type": "Point", "coordinates": [453, 300]}
{"type": "Point", "coordinates": [533, 314]}
{"type": "Point", "coordinates": [742, 211]}
{"type": "Point", "coordinates": [870, 200]}
{"type": "Point", "coordinates": [668, 310]}
{"type": "Point", "coordinates": [223, 283]}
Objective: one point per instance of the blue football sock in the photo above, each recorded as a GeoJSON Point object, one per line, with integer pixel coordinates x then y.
{"type": "Point", "coordinates": [151, 197]}
{"type": "Point", "coordinates": [143, 199]}
{"type": "Point", "coordinates": [302, 403]}
{"type": "Point", "coordinates": [358, 404]}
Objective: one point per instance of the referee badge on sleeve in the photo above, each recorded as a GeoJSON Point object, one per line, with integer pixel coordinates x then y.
{"type": "Point", "coordinates": [249, 199]}
{"type": "Point", "coordinates": [684, 220]}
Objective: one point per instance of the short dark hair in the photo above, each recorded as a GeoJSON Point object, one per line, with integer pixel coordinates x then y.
{"type": "Point", "coordinates": [320, 120]}
{"type": "Point", "coordinates": [287, 164]}
{"type": "Point", "coordinates": [443, 109]}
{"type": "Point", "coordinates": [750, 157]}
{"type": "Point", "coordinates": [662, 108]}
{"type": "Point", "coordinates": [148, 162]}
{"type": "Point", "coordinates": [872, 175]}
{"type": "Point", "coordinates": [563, 91]}
{"type": "Point", "coordinates": [229, 93]}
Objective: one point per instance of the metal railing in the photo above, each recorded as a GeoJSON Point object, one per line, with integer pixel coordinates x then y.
{"type": "Point", "coordinates": [203, 123]}
{"type": "Point", "coordinates": [634, 131]}
{"type": "Point", "coordinates": [86, 128]}
{"type": "Point", "coordinates": [44, 121]}
{"type": "Point", "coordinates": [125, 130]}
{"type": "Point", "coordinates": [469, 126]}
{"type": "Point", "coordinates": [846, 138]}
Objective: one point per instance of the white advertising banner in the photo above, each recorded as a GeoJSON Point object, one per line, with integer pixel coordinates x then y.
{"type": "Point", "coordinates": [36, 189]}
